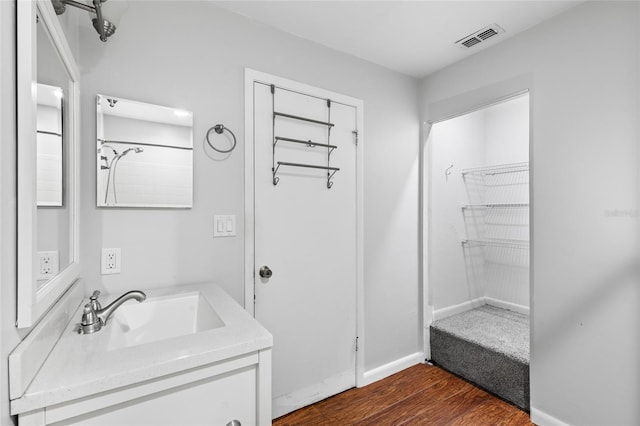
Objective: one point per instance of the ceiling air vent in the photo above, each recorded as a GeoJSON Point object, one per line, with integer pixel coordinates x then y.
{"type": "Point", "coordinates": [479, 36]}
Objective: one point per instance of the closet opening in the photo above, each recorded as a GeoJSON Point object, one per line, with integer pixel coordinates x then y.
{"type": "Point", "coordinates": [477, 256]}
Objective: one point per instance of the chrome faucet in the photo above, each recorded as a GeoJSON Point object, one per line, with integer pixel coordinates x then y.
{"type": "Point", "coordinates": [94, 317]}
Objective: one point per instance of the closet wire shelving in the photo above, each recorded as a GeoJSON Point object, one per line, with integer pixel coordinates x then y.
{"type": "Point", "coordinates": [479, 176]}
{"type": "Point", "coordinates": [497, 169]}
{"type": "Point", "coordinates": [275, 165]}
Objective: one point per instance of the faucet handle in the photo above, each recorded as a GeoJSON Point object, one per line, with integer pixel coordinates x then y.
{"type": "Point", "coordinates": [93, 300]}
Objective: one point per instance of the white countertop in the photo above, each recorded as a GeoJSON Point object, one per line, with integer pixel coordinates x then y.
{"type": "Point", "coordinates": [79, 365]}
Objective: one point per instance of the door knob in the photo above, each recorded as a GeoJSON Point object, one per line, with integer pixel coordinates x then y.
{"type": "Point", "coordinates": [265, 272]}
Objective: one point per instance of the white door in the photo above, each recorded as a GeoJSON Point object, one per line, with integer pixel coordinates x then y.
{"type": "Point", "coordinates": [305, 233]}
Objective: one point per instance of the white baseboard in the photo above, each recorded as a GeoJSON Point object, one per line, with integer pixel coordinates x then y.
{"type": "Point", "coordinates": [507, 305]}
{"type": "Point", "coordinates": [456, 309]}
{"type": "Point", "coordinates": [541, 418]}
{"type": "Point", "coordinates": [472, 304]}
{"type": "Point", "coordinates": [285, 404]}
{"type": "Point", "coordinates": [393, 367]}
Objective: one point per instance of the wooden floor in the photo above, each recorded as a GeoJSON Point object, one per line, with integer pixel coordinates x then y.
{"type": "Point", "coordinates": [420, 395]}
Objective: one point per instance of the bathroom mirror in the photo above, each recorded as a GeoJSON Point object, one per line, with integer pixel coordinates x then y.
{"type": "Point", "coordinates": [47, 99]}
{"type": "Point", "coordinates": [144, 154]}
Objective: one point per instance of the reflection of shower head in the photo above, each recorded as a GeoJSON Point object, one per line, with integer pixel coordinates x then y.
{"type": "Point", "coordinates": [112, 171]}
{"type": "Point", "coordinates": [128, 150]}
{"type": "Point", "coordinates": [108, 146]}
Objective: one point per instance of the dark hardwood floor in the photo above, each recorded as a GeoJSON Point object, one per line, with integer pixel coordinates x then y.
{"type": "Point", "coordinates": [420, 395]}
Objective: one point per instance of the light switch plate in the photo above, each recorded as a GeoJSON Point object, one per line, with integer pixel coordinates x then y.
{"type": "Point", "coordinates": [224, 225]}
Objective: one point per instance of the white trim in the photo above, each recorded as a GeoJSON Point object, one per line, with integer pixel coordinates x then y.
{"type": "Point", "coordinates": [330, 386]}
{"type": "Point", "coordinates": [251, 76]}
{"type": "Point", "coordinates": [459, 308]}
{"type": "Point", "coordinates": [541, 418]}
{"type": "Point", "coordinates": [429, 317]}
{"type": "Point", "coordinates": [428, 311]}
{"type": "Point", "coordinates": [521, 309]}
{"type": "Point", "coordinates": [475, 303]}
{"type": "Point", "coordinates": [392, 367]}
{"type": "Point", "coordinates": [33, 302]}
{"type": "Point", "coordinates": [360, 243]}
{"type": "Point", "coordinates": [249, 217]}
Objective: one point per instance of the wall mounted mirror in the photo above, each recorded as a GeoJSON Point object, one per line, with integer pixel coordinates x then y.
{"type": "Point", "coordinates": [47, 100]}
{"type": "Point", "coordinates": [144, 154]}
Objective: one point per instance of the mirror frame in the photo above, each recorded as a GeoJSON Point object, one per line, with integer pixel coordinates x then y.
{"type": "Point", "coordinates": [32, 301]}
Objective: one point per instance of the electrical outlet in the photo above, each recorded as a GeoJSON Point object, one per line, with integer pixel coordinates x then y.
{"type": "Point", "coordinates": [48, 265]}
{"type": "Point", "coordinates": [111, 260]}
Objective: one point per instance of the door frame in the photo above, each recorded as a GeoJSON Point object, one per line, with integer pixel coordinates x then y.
{"type": "Point", "coordinates": [444, 110]}
{"type": "Point", "coordinates": [250, 77]}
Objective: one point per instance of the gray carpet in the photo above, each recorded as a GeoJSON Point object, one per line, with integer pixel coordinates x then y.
{"type": "Point", "coordinates": [487, 346]}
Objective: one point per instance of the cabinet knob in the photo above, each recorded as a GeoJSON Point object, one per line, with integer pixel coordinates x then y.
{"type": "Point", "coordinates": [234, 423]}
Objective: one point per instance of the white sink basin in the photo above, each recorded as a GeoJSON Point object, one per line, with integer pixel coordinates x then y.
{"type": "Point", "coordinates": [160, 318]}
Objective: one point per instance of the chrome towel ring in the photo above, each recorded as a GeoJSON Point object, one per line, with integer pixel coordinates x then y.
{"type": "Point", "coordinates": [219, 129]}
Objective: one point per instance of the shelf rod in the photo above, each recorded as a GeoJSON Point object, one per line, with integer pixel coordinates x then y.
{"type": "Point", "coordinates": [495, 206]}
{"type": "Point", "coordinates": [495, 170]}
{"type": "Point", "coordinates": [310, 166]}
{"type": "Point", "coordinates": [295, 117]}
{"type": "Point", "coordinates": [309, 143]}
{"type": "Point", "coordinates": [45, 132]}
{"type": "Point", "coordinates": [157, 145]}
{"type": "Point", "coordinates": [506, 244]}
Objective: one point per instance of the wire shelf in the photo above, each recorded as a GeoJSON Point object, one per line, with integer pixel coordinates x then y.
{"type": "Point", "coordinates": [495, 206]}
{"type": "Point", "coordinates": [514, 244]}
{"type": "Point", "coordinates": [497, 170]}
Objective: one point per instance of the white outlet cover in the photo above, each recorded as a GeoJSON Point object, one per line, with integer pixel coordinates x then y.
{"type": "Point", "coordinates": [111, 261]}
{"type": "Point", "coordinates": [48, 265]}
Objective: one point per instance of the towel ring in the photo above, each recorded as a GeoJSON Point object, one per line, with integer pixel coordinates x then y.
{"type": "Point", "coordinates": [219, 128]}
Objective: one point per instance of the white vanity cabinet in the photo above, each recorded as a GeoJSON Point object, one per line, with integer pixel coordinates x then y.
{"type": "Point", "coordinates": [210, 377]}
{"type": "Point", "coordinates": [211, 395]}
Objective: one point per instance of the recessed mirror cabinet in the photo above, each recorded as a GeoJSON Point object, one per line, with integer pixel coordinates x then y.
{"type": "Point", "coordinates": [144, 154]}
{"type": "Point", "coordinates": [47, 112]}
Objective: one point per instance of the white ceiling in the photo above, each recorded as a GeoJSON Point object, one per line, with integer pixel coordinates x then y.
{"type": "Point", "coordinates": [412, 37]}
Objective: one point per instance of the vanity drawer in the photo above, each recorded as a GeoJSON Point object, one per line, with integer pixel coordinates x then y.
{"type": "Point", "coordinates": [210, 401]}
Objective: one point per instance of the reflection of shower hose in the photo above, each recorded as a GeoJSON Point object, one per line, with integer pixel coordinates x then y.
{"type": "Point", "coordinates": [112, 167]}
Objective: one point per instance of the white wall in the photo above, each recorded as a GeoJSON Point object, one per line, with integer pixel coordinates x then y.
{"type": "Point", "coordinates": [195, 60]}
{"type": "Point", "coordinates": [507, 132]}
{"type": "Point", "coordinates": [585, 190]}
{"type": "Point", "coordinates": [454, 278]}
{"type": "Point", "coordinates": [8, 334]}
